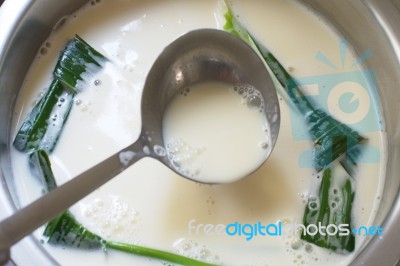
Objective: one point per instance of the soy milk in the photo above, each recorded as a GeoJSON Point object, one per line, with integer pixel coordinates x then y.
{"type": "Point", "coordinates": [216, 132]}
{"type": "Point", "coordinates": [150, 205]}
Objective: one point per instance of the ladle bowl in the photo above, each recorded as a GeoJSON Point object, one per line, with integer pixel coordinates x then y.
{"type": "Point", "coordinates": [198, 56]}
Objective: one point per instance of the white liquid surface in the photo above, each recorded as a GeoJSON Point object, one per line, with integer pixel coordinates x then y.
{"type": "Point", "coordinates": [216, 134]}
{"type": "Point", "coordinates": [150, 205]}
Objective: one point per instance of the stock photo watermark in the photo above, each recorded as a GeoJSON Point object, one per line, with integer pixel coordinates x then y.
{"type": "Point", "coordinates": [349, 94]}
{"type": "Point", "coordinates": [250, 230]}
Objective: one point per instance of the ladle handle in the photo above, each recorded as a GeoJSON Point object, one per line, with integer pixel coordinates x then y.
{"type": "Point", "coordinates": [29, 218]}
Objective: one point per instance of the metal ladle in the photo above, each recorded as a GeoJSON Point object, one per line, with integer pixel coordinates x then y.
{"type": "Point", "coordinates": [200, 55]}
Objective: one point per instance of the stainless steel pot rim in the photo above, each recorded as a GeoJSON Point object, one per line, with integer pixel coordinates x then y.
{"type": "Point", "coordinates": [378, 250]}
{"type": "Point", "coordinates": [11, 13]}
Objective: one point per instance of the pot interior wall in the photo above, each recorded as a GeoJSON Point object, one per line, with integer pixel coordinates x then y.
{"type": "Point", "coordinates": [24, 40]}
{"type": "Point", "coordinates": [29, 27]}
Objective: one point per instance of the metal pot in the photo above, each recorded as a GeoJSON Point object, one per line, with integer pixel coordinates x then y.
{"type": "Point", "coordinates": [366, 24]}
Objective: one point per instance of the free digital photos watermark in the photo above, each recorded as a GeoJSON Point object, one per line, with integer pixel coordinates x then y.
{"type": "Point", "coordinates": [250, 230]}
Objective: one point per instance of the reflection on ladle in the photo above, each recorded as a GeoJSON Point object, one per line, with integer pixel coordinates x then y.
{"type": "Point", "coordinates": [198, 56]}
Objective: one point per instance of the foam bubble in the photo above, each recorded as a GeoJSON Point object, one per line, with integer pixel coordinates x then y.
{"type": "Point", "coordinates": [251, 97]}
{"type": "Point", "coordinates": [146, 150]}
{"type": "Point", "coordinates": [126, 156]}
{"type": "Point", "coordinates": [308, 248]}
{"type": "Point", "coordinates": [313, 204]}
{"type": "Point", "coordinates": [43, 51]}
{"type": "Point", "coordinates": [296, 244]}
{"type": "Point", "coordinates": [264, 145]}
{"type": "Point", "coordinates": [159, 151]}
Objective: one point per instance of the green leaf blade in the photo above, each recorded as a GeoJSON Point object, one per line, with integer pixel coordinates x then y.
{"type": "Point", "coordinates": [77, 61]}
{"type": "Point", "coordinates": [66, 231]}
{"type": "Point", "coordinates": [327, 211]}
{"type": "Point", "coordinates": [42, 127]}
{"type": "Point", "coordinates": [158, 254]}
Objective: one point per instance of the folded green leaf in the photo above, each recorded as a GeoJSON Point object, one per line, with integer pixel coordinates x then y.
{"type": "Point", "coordinates": [77, 62]}
{"type": "Point", "coordinates": [331, 137]}
{"type": "Point", "coordinates": [67, 232]}
{"type": "Point", "coordinates": [331, 207]}
{"type": "Point", "coordinates": [43, 125]}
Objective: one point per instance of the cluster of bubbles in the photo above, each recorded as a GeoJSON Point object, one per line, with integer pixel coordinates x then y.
{"type": "Point", "coordinates": [44, 49]}
{"type": "Point", "coordinates": [184, 91]}
{"type": "Point", "coordinates": [57, 118]}
{"type": "Point", "coordinates": [192, 249]}
{"type": "Point", "coordinates": [335, 200]}
{"type": "Point", "coordinates": [113, 218]}
{"type": "Point", "coordinates": [184, 158]}
{"type": "Point", "coordinates": [254, 100]}
{"type": "Point", "coordinates": [251, 97]}
{"type": "Point", "coordinates": [303, 253]}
